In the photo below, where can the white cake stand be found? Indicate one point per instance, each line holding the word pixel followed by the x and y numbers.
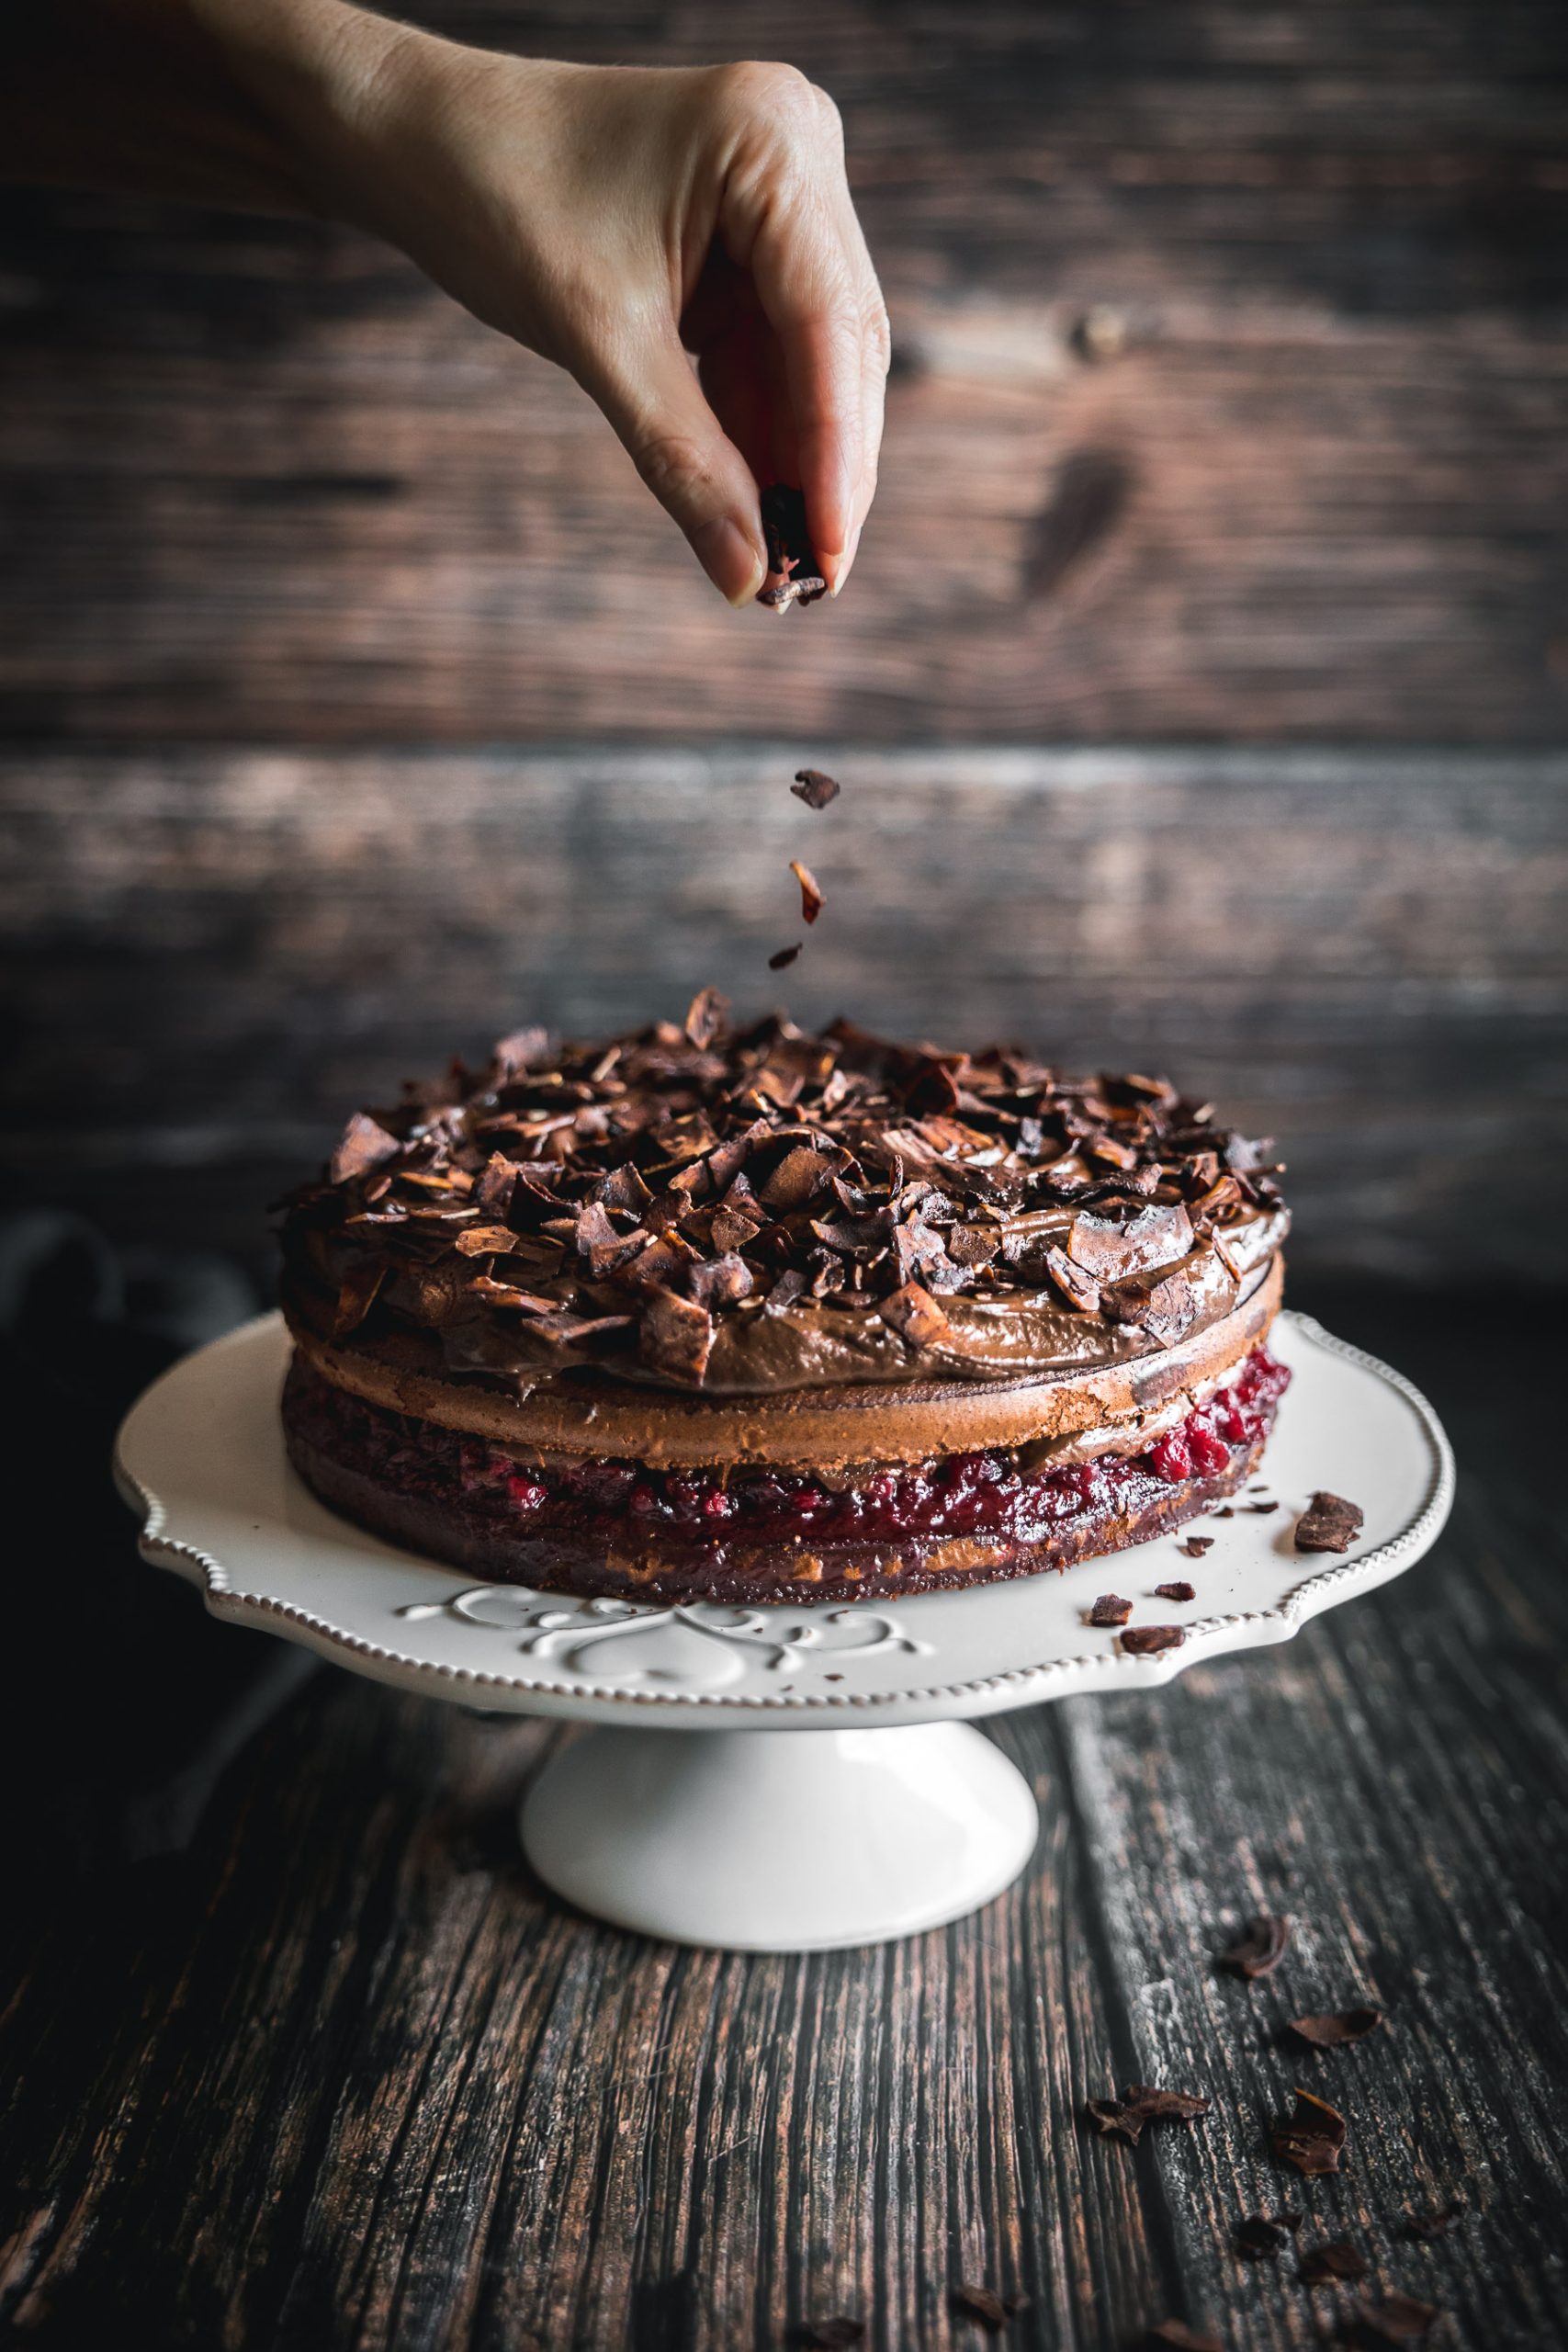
pixel 774 1779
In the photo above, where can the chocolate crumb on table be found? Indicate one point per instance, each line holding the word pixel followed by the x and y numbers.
pixel 794 576
pixel 1336 2029
pixel 1314 2137
pixel 984 2304
pixel 1331 2263
pixel 1176 1591
pixel 1259 1949
pixel 1196 1545
pixel 1261 2236
pixel 1329 1524
pixel 1111 1610
pixel 1147 1640
pixel 1143 2103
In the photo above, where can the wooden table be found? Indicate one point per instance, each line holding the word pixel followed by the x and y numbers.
pixel 301 2056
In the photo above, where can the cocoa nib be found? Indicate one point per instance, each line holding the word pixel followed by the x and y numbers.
pixel 1330 1524
pixel 984 2304
pixel 1328 2266
pixel 784 956
pixel 815 788
pixel 1176 1591
pixel 1314 2138
pixel 1396 2319
pixel 1143 2104
pixel 1147 1640
pixel 1258 1950
pixel 794 576
pixel 1175 2336
pixel 811 900
pixel 1337 2026
pixel 1111 1610
pixel 1261 2235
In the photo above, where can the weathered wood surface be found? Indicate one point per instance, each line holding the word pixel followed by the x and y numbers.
pixel 323 2067
pixel 1232 400
pixel 209 959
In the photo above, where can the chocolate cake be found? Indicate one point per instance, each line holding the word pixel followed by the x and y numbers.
pixel 745 1314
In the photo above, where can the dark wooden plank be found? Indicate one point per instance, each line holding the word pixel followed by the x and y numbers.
pixel 1299 476
pixel 210 958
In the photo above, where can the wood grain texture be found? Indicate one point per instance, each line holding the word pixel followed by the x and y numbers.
pixel 1232 388
pixel 333 2072
pixel 210 958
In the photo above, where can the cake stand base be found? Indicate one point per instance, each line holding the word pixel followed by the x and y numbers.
pixel 780 1842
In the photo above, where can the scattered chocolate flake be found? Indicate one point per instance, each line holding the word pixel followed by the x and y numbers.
pixel 1196 1545
pixel 794 576
pixel 815 788
pixel 363 1145
pixel 1175 1592
pixel 984 2304
pixel 1167 2332
pixel 1337 2027
pixel 1111 1610
pixel 1422 2228
pixel 705 1016
pixel 1258 1950
pixel 1329 1524
pixel 1147 1640
pixel 1396 2319
pixel 1078 1288
pixel 676 1337
pixel 786 956
pixel 811 900
pixel 1331 2265
pixel 1143 2104
pixel 1314 2138
pixel 830 2334
pixel 1262 1509
pixel 1262 2236
pixel 914 1313
pixel 1226 1511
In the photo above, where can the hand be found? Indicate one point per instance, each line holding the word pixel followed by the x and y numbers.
pixel 615 218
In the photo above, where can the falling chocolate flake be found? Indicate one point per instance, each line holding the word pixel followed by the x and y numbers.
pixel 786 956
pixel 1147 1640
pixel 830 2334
pixel 1332 2264
pixel 811 900
pixel 1396 2319
pixel 1332 2031
pixel 1330 1524
pixel 1196 1545
pixel 1258 1950
pixel 705 1016
pixel 1261 2237
pixel 984 2304
pixel 1314 2138
pixel 363 1145
pixel 815 788
pixel 1422 2228
pixel 794 576
pixel 1111 1610
pixel 1175 2336
pixel 1141 2104
pixel 1175 1592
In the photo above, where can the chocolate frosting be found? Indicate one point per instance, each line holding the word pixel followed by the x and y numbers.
pixel 754 1211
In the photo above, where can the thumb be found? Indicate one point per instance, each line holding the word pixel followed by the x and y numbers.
pixel 651 396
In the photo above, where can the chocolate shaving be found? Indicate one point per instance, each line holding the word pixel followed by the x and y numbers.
pixel 1078 1288
pixel 1338 2026
pixel 811 900
pixel 1329 1524
pixel 1262 1509
pixel 1111 1610
pixel 1422 2228
pixel 993 2310
pixel 793 576
pixel 1331 2265
pixel 356 1294
pixel 676 1338
pixel 1314 2138
pixel 830 2334
pixel 1141 2104
pixel 714 1282
pixel 363 1145
pixel 784 957
pixel 1261 2237
pixel 1147 1640
pixel 1174 2333
pixel 815 788
pixel 1258 1950
pixel 1196 1545
pixel 705 1016
pixel 1176 1591
pixel 915 1315
pixel 1396 2319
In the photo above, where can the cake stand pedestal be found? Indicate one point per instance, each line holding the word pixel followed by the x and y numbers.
pixel 774 1779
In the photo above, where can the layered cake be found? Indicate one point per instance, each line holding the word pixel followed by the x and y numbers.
pixel 745 1314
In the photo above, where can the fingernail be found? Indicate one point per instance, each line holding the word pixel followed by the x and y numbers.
pixel 728 556
pixel 844 571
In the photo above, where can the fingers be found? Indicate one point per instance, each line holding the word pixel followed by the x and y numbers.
pixel 649 393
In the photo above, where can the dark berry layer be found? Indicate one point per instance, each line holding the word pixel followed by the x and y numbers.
pixel 619 1526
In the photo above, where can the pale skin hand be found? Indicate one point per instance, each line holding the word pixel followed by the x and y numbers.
pixel 612 219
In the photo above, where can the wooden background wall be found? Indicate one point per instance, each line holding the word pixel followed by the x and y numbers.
pixel 354 701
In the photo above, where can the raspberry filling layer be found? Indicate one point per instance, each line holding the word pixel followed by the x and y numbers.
pixel 984 1494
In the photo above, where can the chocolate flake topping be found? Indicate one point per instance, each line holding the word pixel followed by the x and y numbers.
pixel 794 576
pixel 1258 1950
pixel 1330 2264
pixel 1332 2031
pixel 784 956
pixel 811 900
pixel 1331 1524
pixel 1147 1640
pixel 815 788
pixel 1314 2138
pixel 984 2304
pixel 628 1204
pixel 1261 2235
pixel 1176 1591
pixel 1111 1610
